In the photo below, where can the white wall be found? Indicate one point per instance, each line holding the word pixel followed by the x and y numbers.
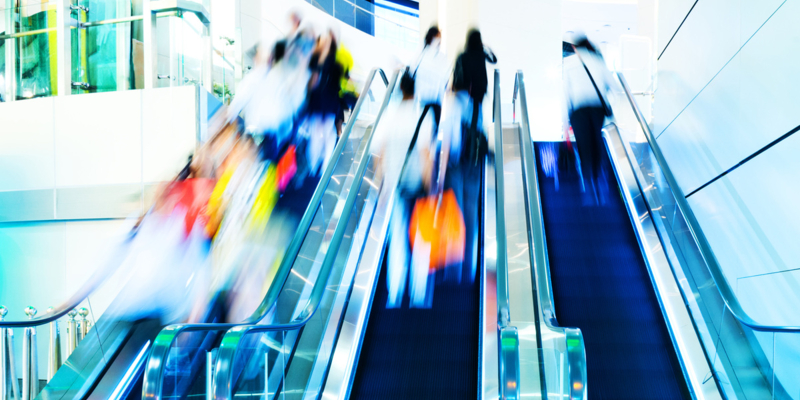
pixel 727 87
pixel 527 39
pixel 81 144
pixel 119 141
pixel 527 36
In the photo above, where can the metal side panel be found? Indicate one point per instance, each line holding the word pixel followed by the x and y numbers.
pixel 79 373
pixel 347 346
pixel 489 376
pixel 686 341
pixel 122 370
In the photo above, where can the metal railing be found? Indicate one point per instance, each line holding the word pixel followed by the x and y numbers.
pixel 153 377
pixel 65 22
pixel 575 366
pixel 508 336
pixel 230 343
pixel 77 329
pixel 710 259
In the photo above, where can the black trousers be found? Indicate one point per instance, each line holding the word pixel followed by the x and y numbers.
pixel 587 123
pixel 437 116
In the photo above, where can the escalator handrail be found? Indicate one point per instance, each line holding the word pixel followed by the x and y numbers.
pixel 163 342
pixel 537 242
pixel 230 342
pixel 96 280
pixel 725 289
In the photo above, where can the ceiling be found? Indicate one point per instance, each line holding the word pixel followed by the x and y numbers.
pixel 603 21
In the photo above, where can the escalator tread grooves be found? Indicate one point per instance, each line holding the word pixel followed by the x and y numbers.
pixel 601 285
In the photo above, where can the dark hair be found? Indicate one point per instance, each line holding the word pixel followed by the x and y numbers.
pixel 474 42
pixel 584 43
pixel 407 83
pixel 433 32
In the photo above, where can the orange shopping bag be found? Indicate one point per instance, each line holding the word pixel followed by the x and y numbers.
pixel 443 228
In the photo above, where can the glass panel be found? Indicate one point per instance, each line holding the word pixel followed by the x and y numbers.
pixel 223 77
pixel 747 364
pixel 104 57
pixel 34 55
pixel 180 50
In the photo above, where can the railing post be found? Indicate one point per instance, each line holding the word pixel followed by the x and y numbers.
pixel 83 313
pixel 30 376
pixel 54 350
pixel 72 332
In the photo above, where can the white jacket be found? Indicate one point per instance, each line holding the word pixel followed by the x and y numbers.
pixel 579 91
pixel 431 75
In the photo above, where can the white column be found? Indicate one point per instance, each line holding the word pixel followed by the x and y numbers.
pixel 526 35
pixel 428 15
pixel 63 48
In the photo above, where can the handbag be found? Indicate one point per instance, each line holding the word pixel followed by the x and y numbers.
pixel 440 223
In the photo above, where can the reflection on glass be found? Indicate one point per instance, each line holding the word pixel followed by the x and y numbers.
pixel 104 54
pixel 35 54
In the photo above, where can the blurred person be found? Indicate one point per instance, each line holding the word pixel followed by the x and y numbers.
pixel 430 76
pixel 323 104
pixel 412 180
pixel 470 72
pixel 279 49
pixel 270 98
pixel 464 143
pixel 586 83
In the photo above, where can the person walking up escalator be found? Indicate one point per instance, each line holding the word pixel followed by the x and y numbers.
pixel 430 76
pixel 464 140
pixel 586 82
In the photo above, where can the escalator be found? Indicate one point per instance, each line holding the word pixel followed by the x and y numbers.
pixel 595 274
pixel 601 285
pixel 109 363
pixel 423 352
pixel 273 352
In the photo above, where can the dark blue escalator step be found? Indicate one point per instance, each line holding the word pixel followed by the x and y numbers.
pixel 421 353
pixel 601 285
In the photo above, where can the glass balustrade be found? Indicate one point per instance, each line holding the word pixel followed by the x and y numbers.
pixel 107 48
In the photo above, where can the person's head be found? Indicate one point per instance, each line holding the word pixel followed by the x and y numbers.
pixel 295 19
pixel 407 85
pixel 433 34
pixel 474 41
pixel 580 41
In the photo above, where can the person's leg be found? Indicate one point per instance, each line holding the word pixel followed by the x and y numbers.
pixel 476 112
pixel 471 212
pixel 397 266
pixel 583 128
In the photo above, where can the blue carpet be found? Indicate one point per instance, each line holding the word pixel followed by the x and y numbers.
pixel 601 285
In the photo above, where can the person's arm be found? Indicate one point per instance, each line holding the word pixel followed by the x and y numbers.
pixel 490 57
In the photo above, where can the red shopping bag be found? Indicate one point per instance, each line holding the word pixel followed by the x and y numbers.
pixel 287 168
pixel 440 223
pixel 190 194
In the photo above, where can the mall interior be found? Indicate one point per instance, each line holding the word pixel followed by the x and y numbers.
pixel 329 199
